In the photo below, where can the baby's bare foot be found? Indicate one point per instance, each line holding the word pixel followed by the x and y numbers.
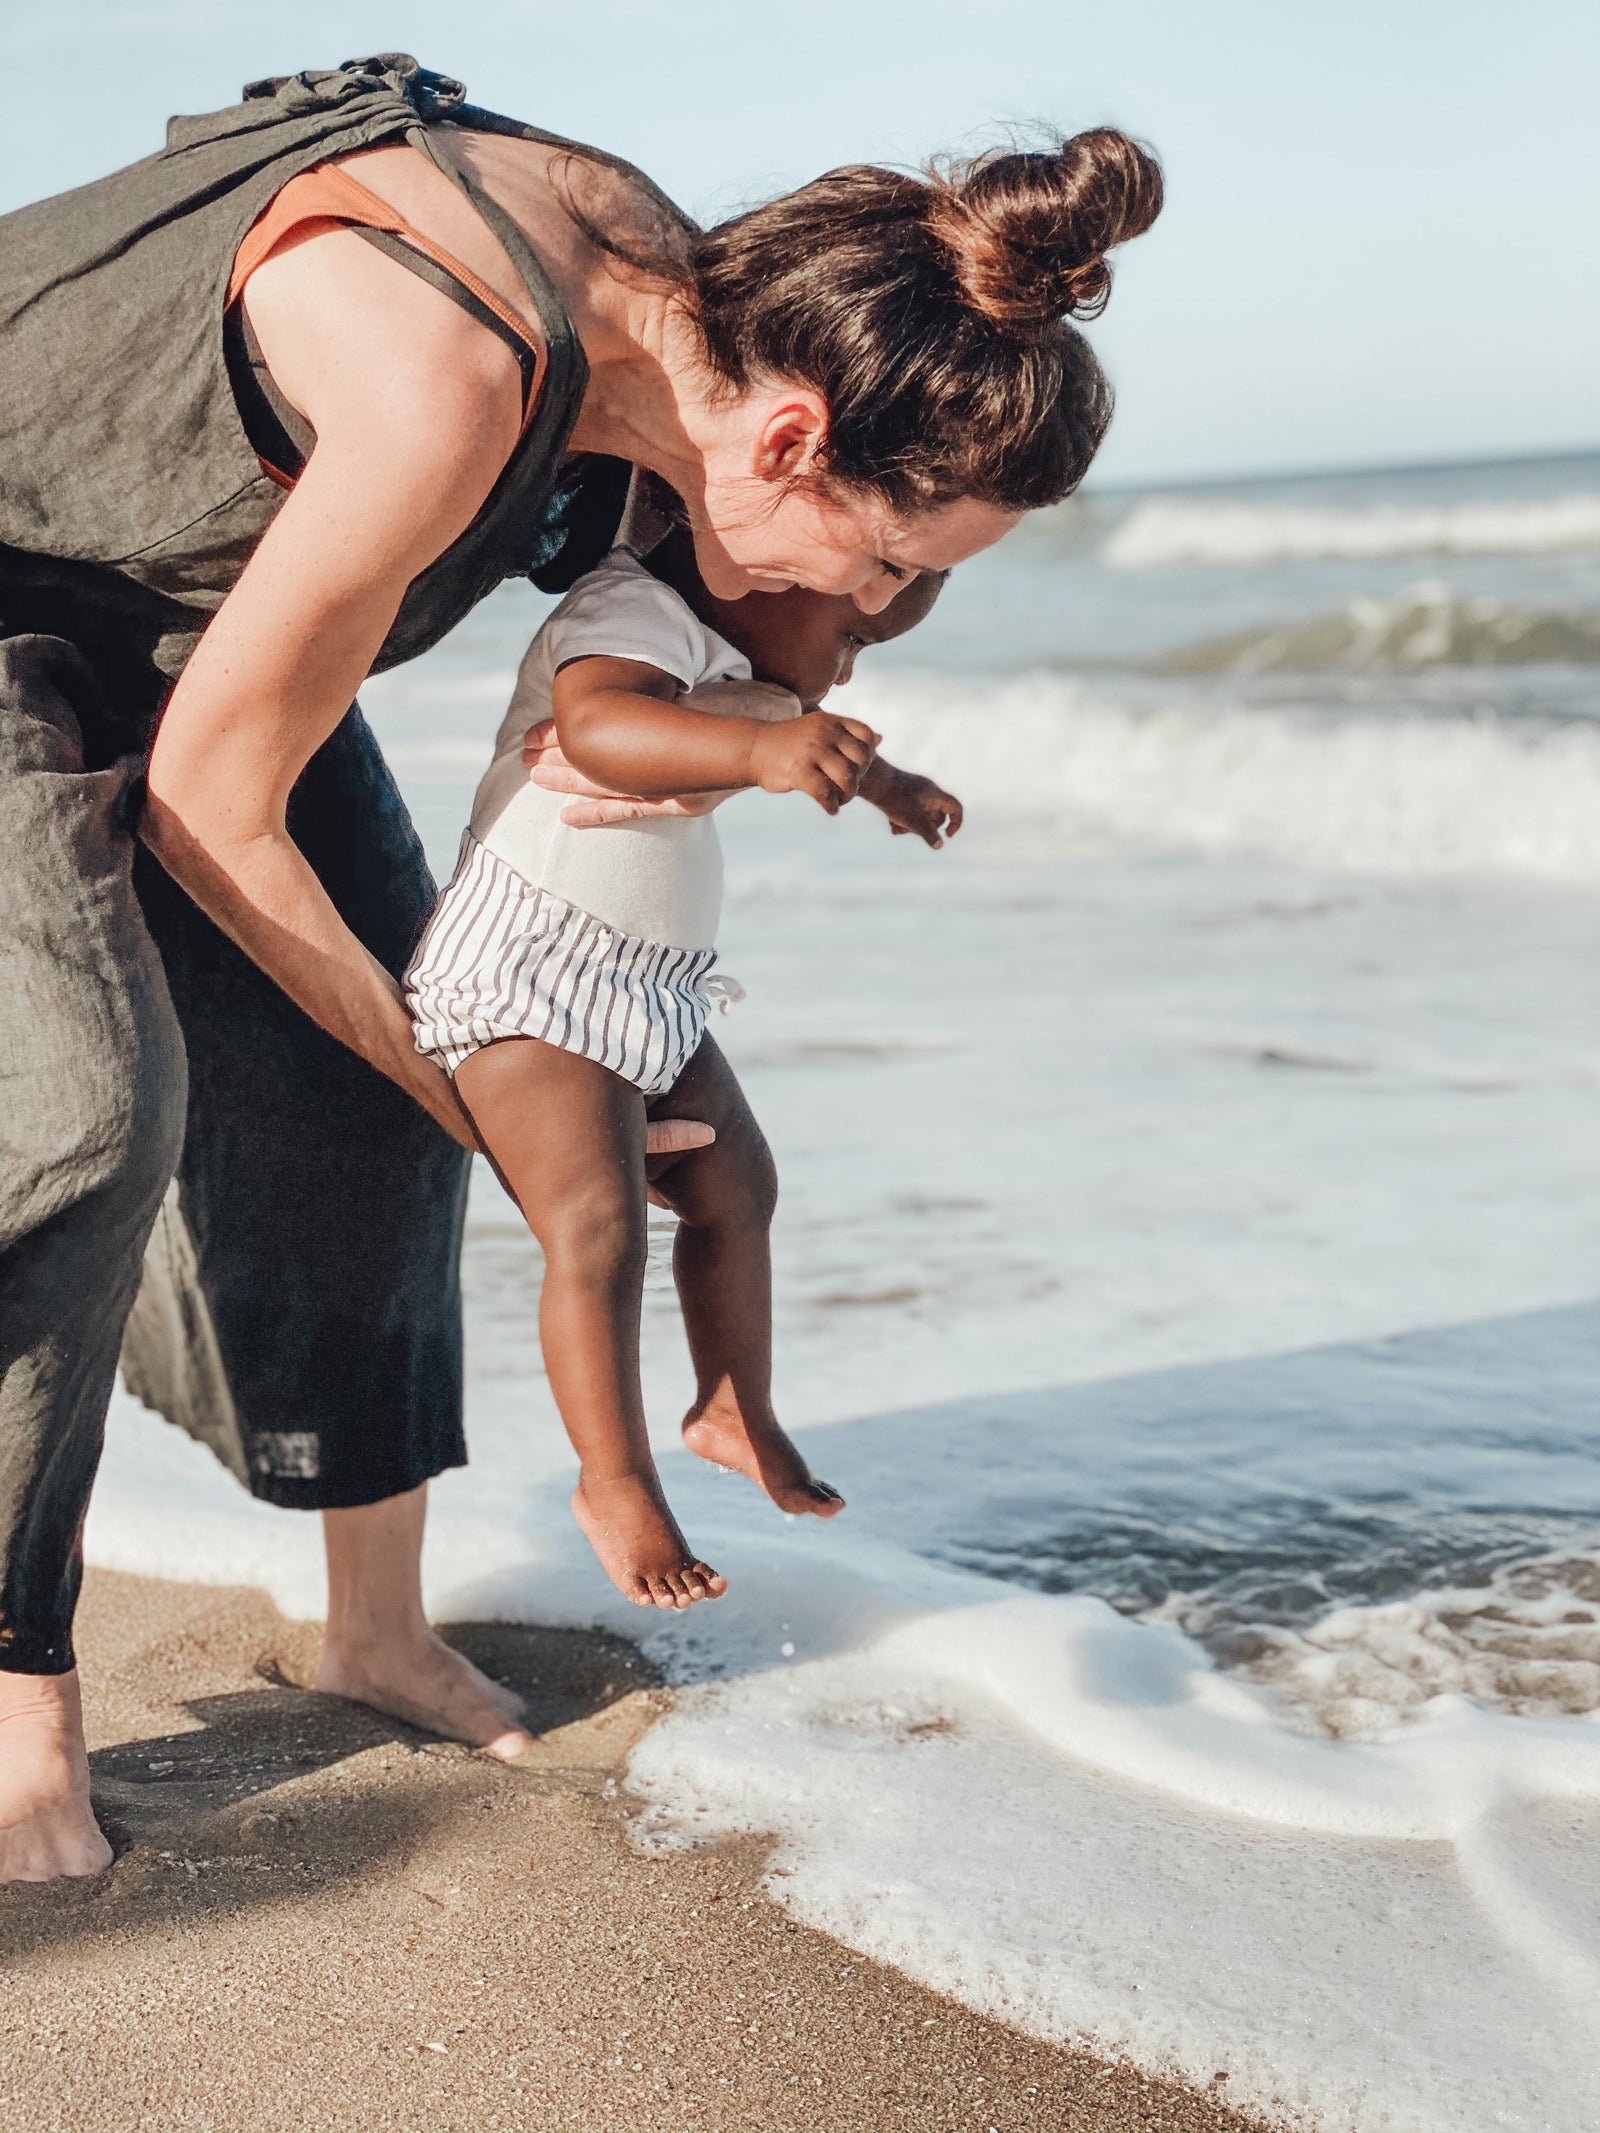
pixel 639 1545
pixel 763 1454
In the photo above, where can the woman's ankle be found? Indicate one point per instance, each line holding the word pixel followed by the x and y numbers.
pixel 42 1700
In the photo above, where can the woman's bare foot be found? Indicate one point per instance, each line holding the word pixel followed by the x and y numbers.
pixel 47 1826
pixel 763 1454
pixel 378 1648
pixel 418 1677
pixel 639 1545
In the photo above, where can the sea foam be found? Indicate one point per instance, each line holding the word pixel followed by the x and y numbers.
pixel 1363 792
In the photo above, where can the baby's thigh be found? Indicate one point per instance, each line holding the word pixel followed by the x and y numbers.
pixel 560 1130
pixel 737 1170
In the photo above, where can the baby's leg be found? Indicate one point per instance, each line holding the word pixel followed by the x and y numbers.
pixel 567 1138
pixel 724 1196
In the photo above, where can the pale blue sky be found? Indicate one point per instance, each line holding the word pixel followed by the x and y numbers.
pixel 1380 239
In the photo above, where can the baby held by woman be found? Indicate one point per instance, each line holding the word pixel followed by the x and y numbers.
pixel 565 982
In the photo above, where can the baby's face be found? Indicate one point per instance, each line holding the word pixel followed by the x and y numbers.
pixel 808 641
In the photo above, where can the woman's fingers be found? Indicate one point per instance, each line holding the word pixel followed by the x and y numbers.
pixel 540 740
pixel 559 777
pixel 673 1136
pixel 595 814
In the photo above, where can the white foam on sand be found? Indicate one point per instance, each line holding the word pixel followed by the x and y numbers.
pixel 1115 1186
pixel 1161 531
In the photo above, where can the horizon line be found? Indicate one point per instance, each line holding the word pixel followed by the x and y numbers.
pixel 1341 469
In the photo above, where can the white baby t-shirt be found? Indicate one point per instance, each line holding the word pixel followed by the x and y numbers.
pixel 660 879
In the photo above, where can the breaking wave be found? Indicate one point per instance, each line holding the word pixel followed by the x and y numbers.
pixel 1426 626
pixel 1345 790
pixel 1164 530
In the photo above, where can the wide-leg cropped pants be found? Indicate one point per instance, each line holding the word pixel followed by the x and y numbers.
pixel 189 1164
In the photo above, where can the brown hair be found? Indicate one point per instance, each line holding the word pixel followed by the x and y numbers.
pixel 932 313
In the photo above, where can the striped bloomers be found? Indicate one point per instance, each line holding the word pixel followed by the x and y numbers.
pixel 502 958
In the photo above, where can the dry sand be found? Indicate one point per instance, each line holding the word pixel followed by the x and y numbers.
pixel 319 1919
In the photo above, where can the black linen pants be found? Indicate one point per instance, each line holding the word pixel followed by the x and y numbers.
pixel 300 1307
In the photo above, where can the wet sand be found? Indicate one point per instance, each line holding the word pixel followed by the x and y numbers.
pixel 319 1920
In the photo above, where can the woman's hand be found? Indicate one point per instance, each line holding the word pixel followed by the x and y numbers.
pixel 593 807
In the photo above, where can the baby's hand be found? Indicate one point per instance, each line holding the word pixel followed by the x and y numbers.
pixel 915 806
pixel 818 754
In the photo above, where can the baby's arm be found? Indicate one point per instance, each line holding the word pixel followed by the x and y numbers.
pixel 915 806
pixel 625 726
pixel 593 806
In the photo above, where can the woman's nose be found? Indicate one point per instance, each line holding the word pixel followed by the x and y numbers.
pixel 873 597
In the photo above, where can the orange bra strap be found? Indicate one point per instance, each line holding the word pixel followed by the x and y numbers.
pixel 329 196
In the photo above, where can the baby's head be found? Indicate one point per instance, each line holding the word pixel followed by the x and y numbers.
pixel 804 641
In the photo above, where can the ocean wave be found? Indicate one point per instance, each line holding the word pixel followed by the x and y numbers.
pixel 1526 1641
pixel 1426 626
pixel 1165 530
pixel 1348 791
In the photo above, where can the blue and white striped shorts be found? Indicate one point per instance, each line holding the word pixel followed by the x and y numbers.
pixel 502 958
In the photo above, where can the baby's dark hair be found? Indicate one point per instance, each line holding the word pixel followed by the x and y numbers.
pixel 933 314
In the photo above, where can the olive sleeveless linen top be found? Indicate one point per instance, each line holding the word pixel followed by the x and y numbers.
pixel 131 494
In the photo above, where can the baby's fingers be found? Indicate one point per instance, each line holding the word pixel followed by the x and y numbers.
pixel 858 731
pixel 860 747
pixel 815 782
pixel 843 770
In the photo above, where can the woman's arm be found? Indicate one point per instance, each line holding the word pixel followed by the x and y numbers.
pixel 622 725
pixel 416 411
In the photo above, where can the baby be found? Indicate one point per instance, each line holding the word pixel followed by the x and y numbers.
pixel 565 982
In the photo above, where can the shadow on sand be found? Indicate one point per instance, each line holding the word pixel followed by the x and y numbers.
pixel 278 1793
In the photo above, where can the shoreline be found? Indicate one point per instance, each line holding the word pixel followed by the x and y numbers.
pixel 311 1902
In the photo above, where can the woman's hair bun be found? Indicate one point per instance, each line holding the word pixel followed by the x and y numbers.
pixel 1027 233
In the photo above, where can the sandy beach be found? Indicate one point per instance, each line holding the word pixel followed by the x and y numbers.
pixel 321 1920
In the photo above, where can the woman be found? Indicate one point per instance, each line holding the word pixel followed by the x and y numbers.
pixel 278 406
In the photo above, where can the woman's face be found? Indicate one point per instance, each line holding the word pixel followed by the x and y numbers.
pixel 761 525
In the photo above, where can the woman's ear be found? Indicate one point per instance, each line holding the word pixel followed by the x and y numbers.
pixel 790 435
